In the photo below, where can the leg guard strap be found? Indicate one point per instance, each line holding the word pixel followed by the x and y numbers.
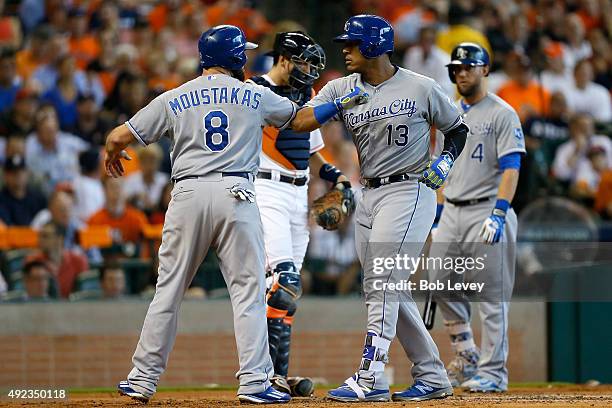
pixel 461 336
pixel 352 383
pixel 375 353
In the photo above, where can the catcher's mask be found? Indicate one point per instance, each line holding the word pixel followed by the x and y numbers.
pixel 306 55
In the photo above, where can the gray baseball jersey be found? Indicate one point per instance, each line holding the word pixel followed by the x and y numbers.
pixel 392 130
pixel 214 123
pixel 495 131
pixel 392 134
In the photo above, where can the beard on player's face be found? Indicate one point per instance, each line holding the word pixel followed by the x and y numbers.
pixel 467 90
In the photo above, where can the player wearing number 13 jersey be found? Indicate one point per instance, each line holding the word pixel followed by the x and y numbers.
pixel 391 133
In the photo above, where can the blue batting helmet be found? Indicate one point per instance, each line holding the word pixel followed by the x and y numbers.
pixel 224 46
pixel 373 33
pixel 467 53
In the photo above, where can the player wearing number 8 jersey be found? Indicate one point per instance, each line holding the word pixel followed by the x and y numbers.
pixel 392 136
pixel 214 123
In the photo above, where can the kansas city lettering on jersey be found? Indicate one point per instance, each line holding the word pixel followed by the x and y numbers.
pixel 396 108
pixel 482 128
pixel 206 96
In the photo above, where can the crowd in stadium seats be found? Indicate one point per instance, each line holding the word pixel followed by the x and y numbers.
pixel 71 70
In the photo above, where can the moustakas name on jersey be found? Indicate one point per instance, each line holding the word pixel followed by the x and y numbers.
pixel 284 150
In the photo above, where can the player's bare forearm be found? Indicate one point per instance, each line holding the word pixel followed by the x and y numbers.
pixel 439 195
pixel 317 161
pixel 507 185
pixel 117 140
pixel 305 120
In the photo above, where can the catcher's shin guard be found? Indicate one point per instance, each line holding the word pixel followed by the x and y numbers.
pixel 281 364
pixel 286 288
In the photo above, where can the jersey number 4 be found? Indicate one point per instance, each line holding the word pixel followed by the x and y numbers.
pixel 477 153
pixel 217 136
pixel 401 135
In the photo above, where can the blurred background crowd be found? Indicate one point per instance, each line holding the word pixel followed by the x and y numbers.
pixel 71 70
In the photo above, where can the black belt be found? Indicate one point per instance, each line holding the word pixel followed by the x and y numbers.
pixel 242 174
pixel 463 203
pixel 297 181
pixel 381 181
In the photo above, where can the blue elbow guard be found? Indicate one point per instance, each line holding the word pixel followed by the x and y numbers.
pixel 325 112
pixel 329 173
pixel 510 161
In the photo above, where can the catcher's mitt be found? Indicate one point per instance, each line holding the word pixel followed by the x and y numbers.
pixel 331 209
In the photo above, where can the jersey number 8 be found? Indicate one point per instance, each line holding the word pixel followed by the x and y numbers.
pixel 215 123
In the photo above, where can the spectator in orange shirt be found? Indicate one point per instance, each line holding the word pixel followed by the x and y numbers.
pixel 235 12
pixel 83 45
pixel 524 94
pixel 159 14
pixel 36 54
pixel 126 221
pixel 63 264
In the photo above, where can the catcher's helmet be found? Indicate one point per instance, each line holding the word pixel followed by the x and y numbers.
pixel 467 53
pixel 303 51
pixel 223 46
pixel 373 33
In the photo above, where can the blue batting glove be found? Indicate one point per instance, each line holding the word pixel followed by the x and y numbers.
pixel 493 227
pixel 355 97
pixel 326 111
pixel 437 171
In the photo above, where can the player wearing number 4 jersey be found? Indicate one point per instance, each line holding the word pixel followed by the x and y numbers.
pixel 214 123
pixel 476 209
pixel 392 135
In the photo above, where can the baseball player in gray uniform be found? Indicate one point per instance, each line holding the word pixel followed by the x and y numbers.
pixel 476 211
pixel 215 124
pixel 392 136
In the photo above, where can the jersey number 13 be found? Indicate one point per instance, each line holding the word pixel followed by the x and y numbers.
pixel 216 136
pixel 401 135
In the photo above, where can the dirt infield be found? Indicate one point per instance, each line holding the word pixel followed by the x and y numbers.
pixel 547 396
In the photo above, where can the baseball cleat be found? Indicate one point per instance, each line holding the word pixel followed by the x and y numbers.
pixel 279 383
pixel 126 389
pixel 422 392
pixel 268 396
pixel 352 391
pixel 462 367
pixel 481 384
pixel 300 386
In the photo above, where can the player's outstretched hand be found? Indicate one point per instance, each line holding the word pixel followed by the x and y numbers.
pixel 437 171
pixel 356 97
pixel 242 193
pixel 112 162
pixel 493 227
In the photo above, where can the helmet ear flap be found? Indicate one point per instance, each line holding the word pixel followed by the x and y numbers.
pixel 451 74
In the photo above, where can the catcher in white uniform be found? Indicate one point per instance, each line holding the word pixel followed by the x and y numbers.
pixel 282 196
